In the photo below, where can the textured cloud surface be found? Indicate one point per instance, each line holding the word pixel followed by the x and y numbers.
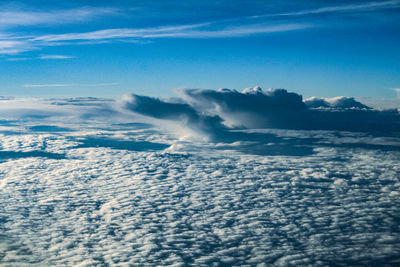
pixel 110 190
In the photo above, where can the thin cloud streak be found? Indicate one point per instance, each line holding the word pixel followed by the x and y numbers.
pixel 185 31
pixel 18 58
pixel 102 84
pixel 44 57
pixel 68 85
pixel 117 33
pixel 47 85
pixel 344 8
pixel 234 31
pixel 55 57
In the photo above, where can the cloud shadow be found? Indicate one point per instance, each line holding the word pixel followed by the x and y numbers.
pixel 120 144
pixel 49 128
pixel 5 155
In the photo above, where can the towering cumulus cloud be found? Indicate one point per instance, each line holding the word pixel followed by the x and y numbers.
pixel 252 108
pixel 275 108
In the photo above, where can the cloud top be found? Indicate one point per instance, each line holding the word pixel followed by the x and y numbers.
pixel 339 102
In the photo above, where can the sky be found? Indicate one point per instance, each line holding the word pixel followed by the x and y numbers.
pixel 109 48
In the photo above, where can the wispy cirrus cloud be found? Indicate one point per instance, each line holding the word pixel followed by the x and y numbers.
pixel 11 45
pixel 13 18
pixel 182 31
pixel 117 33
pixel 15 43
pixel 357 7
pixel 204 30
pixel 232 31
pixel 44 57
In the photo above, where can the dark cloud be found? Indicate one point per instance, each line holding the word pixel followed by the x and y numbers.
pixel 255 108
pixel 211 111
pixel 252 108
pixel 352 120
pixel 160 109
pixel 181 112
pixel 252 99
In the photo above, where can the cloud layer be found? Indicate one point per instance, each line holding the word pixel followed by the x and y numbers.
pixel 78 199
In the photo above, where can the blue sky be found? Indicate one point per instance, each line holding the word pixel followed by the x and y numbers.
pixel 108 48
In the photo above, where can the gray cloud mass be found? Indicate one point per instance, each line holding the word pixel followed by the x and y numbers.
pixel 274 108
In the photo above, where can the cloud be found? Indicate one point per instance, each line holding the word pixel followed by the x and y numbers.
pixel 61 110
pixel 68 85
pixel 48 85
pixel 221 28
pixel 339 102
pixel 275 108
pixel 184 113
pixel 350 8
pixel 39 57
pixel 96 205
pixel 397 90
pixel 203 30
pixel 13 18
pixel 18 58
pixel 249 108
pixel 160 109
pixel 278 108
pixel 118 33
pixel 11 45
pixel 100 192
pixel 17 44
pixel 233 31
pixel 55 57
